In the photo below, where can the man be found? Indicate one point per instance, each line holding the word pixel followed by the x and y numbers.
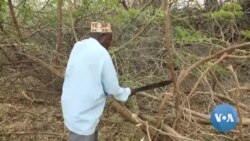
pixel 90 76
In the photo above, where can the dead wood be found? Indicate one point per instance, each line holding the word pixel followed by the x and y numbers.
pixel 136 120
pixel 245 121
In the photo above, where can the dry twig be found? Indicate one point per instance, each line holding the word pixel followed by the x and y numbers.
pixel 237 101
pixel 202 75
pixel 184 73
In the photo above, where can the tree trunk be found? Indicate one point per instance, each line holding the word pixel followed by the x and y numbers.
pixel 13 15
pixel 59 28
pixel 169 45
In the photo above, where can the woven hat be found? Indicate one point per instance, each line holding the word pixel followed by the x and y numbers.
pixel 100 27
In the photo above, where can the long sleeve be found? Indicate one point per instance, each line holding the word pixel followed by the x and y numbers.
pixel 110 81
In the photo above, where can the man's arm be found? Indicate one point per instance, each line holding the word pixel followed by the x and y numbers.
pixel 110 81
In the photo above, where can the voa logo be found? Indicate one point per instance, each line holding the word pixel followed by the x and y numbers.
pixel 224 117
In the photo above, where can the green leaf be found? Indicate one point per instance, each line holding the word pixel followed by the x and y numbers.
pixel 245 34
pixel 186 36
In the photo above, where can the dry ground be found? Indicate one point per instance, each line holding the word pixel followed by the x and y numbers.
pixel 37 116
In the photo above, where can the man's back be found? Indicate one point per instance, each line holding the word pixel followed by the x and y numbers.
pixel 89 76
pixel 83 72
pixel 82 88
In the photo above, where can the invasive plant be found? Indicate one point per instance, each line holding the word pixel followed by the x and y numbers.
pixel 229 12
pixel 245 34
pixel 185 36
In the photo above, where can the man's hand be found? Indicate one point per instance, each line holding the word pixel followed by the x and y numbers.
pixel 133 92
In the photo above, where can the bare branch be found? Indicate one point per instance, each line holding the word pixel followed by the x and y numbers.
pixel 237 100
pixel 184 73
pixel 169 47
pixel 204 73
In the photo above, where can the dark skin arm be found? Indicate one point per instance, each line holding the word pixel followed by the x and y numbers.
pixel 132 92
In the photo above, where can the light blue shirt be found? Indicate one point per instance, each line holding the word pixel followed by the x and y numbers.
pixel 90 76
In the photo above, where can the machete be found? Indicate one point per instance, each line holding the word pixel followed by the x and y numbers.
pixel 152 86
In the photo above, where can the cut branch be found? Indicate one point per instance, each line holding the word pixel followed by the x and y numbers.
pixel 172 133
pixel 223 97
pixel 136 120
pixel 245 121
